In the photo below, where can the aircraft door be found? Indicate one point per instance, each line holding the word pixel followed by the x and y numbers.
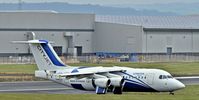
pixel 150 78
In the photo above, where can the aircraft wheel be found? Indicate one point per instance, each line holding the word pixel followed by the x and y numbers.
pixel 171 93
pixel 117 90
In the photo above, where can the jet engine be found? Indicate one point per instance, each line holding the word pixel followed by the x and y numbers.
pixel 102 82
pixel 117 81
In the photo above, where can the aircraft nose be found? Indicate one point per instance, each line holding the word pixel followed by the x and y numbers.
pixel 180 85
pixel 175 85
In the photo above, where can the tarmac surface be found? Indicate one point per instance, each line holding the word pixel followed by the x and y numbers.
pixel 193 80
pixel 55 88
pixel 38 87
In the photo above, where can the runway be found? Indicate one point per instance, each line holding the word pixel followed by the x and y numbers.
pixel 38 87
pixel 55 88
pixel 194 80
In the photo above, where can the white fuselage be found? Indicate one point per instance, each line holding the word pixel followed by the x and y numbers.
pixel 137 80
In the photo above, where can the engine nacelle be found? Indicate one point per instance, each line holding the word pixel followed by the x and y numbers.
pixel 117 81
pixel 82 84
pixel 102 82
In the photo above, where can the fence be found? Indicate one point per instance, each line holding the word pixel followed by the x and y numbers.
pixel 168 58
pixel 17 60
pixel 17 77
pixel 95 59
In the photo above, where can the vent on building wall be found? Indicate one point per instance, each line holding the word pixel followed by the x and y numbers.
pixel 68 34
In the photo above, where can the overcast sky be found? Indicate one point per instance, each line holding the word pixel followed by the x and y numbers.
pixel 105 2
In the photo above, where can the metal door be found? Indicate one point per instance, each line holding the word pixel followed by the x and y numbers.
pixel 79 50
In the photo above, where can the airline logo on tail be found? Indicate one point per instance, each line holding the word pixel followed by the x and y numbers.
pixel 49 54
pixel 44 55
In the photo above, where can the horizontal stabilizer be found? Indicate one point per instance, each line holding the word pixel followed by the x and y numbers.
pixel 31 42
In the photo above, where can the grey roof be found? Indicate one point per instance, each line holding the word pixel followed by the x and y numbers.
pixel 28 11
pixel 168 22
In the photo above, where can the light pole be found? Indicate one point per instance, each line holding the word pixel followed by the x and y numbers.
pixel 20 5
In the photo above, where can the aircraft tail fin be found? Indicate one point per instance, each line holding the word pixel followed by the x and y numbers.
pixel 44 54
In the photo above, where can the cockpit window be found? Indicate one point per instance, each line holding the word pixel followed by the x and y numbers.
pixel 169 76
pixel 165 76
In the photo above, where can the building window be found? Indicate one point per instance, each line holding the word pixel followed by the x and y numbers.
pixel 58 50
pixel 169 50
pixel 79 50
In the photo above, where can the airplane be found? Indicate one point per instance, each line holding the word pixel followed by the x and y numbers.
pixel 99 79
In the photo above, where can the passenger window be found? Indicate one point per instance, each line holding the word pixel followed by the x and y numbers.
pixel 160 77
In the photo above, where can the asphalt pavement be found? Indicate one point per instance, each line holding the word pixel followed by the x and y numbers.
pixel 55 88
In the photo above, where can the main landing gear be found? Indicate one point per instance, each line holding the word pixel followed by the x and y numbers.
pixel 117 90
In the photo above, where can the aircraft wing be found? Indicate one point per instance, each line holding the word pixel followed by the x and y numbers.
pixel 87 73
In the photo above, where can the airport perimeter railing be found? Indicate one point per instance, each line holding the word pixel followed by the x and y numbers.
pixel 95 59
pixel 17 60
pixel 186 57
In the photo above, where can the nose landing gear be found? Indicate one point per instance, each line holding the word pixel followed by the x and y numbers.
pixel 171 93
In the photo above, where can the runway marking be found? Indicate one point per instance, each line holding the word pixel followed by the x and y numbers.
pixel 47 89
pixel 191 77
pixel 31 82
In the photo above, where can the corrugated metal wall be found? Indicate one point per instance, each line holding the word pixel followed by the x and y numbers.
pixel 46 25
pixel 180 41
pixel 117 38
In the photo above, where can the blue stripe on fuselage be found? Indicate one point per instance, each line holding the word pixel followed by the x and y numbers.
pixel 131 87
pixel 50 54
pixel 77 86
pixel 132 81
pixel 136 78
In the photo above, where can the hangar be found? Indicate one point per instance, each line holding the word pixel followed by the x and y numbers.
pixel 89 34
pixel 67 31
pixel 147 34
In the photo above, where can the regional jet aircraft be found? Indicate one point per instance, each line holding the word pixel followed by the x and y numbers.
pixel 99 79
